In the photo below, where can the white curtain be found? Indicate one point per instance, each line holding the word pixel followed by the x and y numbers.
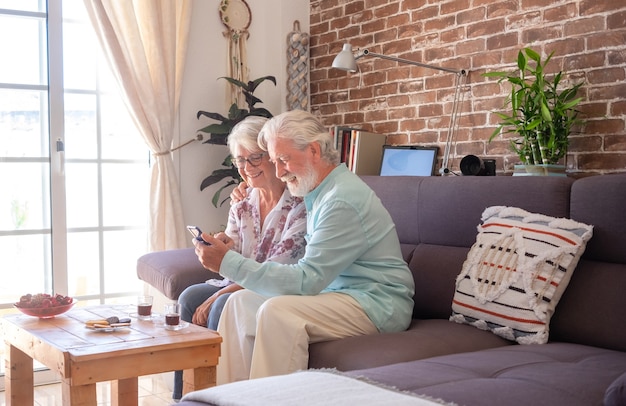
pixel 145 42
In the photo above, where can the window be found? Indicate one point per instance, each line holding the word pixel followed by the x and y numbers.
pixel 74 172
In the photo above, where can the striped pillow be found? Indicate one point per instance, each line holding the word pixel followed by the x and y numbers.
pixel 516 272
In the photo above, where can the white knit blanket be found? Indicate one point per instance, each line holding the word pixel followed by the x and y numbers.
pixel 308 388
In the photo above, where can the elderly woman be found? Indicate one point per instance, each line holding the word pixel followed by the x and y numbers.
pixel 267 225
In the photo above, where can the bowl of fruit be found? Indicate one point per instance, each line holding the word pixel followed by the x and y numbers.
pixel 44 305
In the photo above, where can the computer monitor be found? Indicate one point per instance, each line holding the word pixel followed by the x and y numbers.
pixel 408 160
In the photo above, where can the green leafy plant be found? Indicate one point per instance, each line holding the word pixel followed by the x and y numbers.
pixel 218 132
pixel 542 114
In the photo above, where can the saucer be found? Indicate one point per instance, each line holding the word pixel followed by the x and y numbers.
pixel 108 329
pixel 153 316
pixel 180 326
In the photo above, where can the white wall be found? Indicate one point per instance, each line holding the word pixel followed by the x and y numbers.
pixel 272 20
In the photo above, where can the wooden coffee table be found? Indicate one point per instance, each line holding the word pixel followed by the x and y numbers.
pixel 83 357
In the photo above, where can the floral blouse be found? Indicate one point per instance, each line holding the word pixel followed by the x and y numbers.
pixel 282 237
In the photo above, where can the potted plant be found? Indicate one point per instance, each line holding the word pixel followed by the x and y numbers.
pixel 218 132
pixel 542 112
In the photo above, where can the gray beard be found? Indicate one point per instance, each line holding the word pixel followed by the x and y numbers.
pixel 304 185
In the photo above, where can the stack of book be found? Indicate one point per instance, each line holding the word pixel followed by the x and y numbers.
pixel 360 150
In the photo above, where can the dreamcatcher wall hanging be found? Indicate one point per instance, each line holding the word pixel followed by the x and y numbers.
pixel 236 16
pixel 297 69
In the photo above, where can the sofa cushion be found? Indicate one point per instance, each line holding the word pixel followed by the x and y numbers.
pixel 615 395
pixel 514 375
pixel 172 271
pixel 517 271
pixel 423 339
pixel 449 207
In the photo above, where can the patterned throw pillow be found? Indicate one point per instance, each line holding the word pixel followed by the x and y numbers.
pixel 516 272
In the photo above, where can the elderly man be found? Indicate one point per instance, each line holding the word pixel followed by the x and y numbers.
pixel 351 281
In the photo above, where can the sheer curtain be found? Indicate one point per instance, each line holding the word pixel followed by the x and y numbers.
pixel 145 42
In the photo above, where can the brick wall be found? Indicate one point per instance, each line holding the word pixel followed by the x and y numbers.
pixel 412 104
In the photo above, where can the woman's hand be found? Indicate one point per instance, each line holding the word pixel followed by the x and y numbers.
pixel 239 193
pixel 225 239
pixel 201 315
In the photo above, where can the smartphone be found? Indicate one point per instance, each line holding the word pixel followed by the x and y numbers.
pixel 197 233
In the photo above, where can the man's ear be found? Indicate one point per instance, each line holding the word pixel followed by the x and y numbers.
pixel 316 151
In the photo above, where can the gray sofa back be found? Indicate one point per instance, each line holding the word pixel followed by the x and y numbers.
pixel 436 220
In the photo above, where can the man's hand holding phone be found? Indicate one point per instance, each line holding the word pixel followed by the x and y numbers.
pixel 197 233
pixel 210 253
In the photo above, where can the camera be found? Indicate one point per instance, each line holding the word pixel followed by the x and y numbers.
pixel 471 165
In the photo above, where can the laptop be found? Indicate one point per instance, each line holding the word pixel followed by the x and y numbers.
pixel 408 160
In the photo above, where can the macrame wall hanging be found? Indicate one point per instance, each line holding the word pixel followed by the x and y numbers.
pixel 297 69
pixel 236 16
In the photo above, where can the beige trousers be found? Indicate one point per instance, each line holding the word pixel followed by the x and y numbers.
pixel 270 336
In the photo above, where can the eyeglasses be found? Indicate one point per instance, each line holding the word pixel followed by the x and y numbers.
pixel 253 159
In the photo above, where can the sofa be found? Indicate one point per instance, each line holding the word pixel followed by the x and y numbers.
pixel 437 219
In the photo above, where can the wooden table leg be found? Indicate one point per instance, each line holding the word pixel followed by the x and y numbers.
pixel 125 392
pixel 79 395
pixel 198 378
pixel 18 377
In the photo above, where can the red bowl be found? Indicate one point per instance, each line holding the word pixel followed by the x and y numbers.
pixel 45 312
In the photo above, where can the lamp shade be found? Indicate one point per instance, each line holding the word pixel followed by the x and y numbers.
pixel 345 59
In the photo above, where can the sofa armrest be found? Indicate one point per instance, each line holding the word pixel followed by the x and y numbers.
pixel 171 271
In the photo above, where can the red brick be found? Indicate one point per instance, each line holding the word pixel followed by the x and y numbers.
pixel 430 110
pixel 387 10
pixel 584 26
pixel 569 46
pixel 386 127
pixel 607 92
pixel 353 118
pixel 339 22
pixel 605 40
pixel 412 124
pixel 387 89
pixel 362 17
pixel 361 93
pixel 453 7
pixel 438 24
pixel 560 13
pixel 424 13
pixel 605 75
pixel 586 61
pixel 502 8
pixel 585 143
pixel 399 114
pixel 616 57
pixel 375 3
pixel 616 21
pixel 588 7
pixel 413 4
pixel 502 41
pixel 606 126
pixel 386 35
pixel 354 7
pixel 618 108
pixel 400 21
pixel 483 28
pixel 615 143
pixel 455 34
pixel 602 161
pixel 532 35
pixel 471 15
pixel 398 100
